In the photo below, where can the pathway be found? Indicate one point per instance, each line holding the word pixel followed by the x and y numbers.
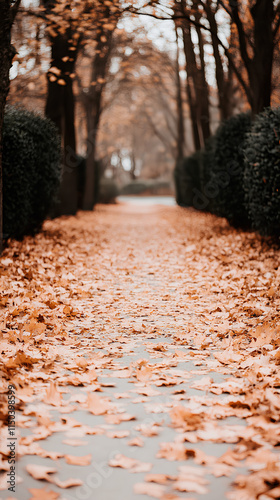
pixel 143 344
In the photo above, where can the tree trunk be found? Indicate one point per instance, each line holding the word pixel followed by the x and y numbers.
pixel 60 108
pixel 180 110
pixel 91 178
pixel 258 66
pixel 223 82
pixel 261 72
pixel 203 90
pixel 197 87
pixel 92 102
pixel 133 166
pixel 7 52
pixel 192 85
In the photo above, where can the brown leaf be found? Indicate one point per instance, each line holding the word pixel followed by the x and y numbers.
pixel 137 441
pixel 131 464
pixel 40 471
pixel 97 405
pixel 74 460
pixel 153 490
pixel 53 396
pixel 118 434
pixel 43 494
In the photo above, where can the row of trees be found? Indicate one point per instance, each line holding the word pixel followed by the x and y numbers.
pixel 244 55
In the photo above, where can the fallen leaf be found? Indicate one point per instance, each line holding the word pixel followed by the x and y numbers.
pixel 131 464
pixel 74 460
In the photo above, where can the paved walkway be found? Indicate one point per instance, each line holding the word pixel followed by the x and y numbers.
pixel 140 340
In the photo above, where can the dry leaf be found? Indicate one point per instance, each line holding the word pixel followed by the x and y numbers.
pixel 153 490
pixel 131 464
pixel 74 460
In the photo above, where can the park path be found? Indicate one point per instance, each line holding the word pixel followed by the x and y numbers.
pixel 143 344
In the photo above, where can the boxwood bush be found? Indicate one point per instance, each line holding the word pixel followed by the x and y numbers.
pixel 228 170
pixel 262 172
pixel 108 191
pixel 31 171
pixel 187 176
pixel 204 198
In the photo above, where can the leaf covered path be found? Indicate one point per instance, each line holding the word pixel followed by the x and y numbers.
pixel 143 344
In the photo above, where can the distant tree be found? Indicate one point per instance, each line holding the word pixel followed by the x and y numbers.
pixel 140 108
pixel 91 98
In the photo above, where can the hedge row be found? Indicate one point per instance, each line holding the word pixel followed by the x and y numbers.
pixel 31 171
pixel 237 175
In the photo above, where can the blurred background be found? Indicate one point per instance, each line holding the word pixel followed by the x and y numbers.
pixel 148 98
pixel 145 90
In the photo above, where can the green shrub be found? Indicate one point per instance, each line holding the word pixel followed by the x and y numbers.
pixel 187 176
pixel 31 171
pixel 108 191
pixel 228 166
pixel 262 172
pixel 203 197
pixel 134 187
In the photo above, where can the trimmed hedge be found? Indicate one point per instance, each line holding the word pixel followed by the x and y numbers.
pixel 228 170
pixel 262 173
pixel 239 173
pixel 204 199
pixel 31 171
pixel 187 176
pixel 108 191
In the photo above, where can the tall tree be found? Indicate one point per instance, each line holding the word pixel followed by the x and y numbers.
pixel 197 86
pixel 60 108
pixel 66 27
pixel 92 100
pixel 8 12
pixel 179 101
pixel 224 77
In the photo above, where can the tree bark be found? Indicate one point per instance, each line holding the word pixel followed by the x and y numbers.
pixel 7 52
